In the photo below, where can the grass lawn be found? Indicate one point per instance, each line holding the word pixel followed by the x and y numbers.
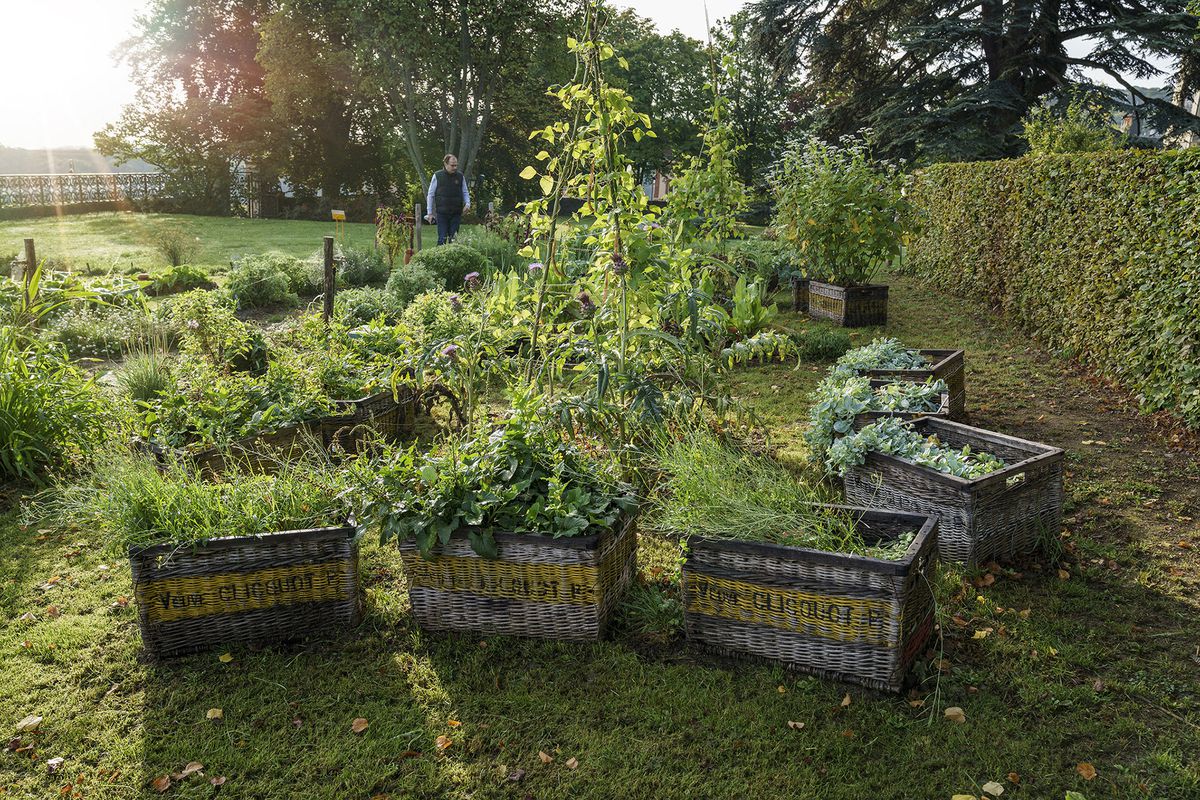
pixel 1087 656
pixel 122 241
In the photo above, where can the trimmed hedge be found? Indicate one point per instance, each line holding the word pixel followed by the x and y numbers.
pixel 1096 254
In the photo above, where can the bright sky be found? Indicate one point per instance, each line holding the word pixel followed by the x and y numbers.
pixel 59 84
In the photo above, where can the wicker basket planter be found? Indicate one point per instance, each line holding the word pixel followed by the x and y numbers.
pixel 945 365
pixel 385 413
pixel 800 295
pixel 835 615
pixel 868 417
pixel 996 516
pixel 552 588
pixel 245 589
pixel 848 306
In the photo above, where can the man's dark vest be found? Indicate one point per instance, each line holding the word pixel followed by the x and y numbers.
pixel 447 196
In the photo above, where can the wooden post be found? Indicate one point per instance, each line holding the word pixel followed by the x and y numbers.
pixel 417 227
pixel 30 266
pixel 330 278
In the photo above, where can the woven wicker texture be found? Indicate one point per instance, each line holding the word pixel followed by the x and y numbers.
pixel 253 589
pixel 847 617
pixel 993 517
pixel 848 306
pixel 391 415
pixel 555 589
pixel 946 365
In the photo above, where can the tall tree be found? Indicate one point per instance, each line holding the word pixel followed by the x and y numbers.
pixel 948 79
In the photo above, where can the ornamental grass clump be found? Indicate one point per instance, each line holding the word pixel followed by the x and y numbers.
pixel 896 438
pixel 718 490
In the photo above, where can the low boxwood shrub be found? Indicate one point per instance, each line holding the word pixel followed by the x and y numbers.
pixel 410 280
pixel 450 263
pixel 265 280
pixel 1093 253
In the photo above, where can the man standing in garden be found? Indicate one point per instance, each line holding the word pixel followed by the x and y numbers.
pixel 448 198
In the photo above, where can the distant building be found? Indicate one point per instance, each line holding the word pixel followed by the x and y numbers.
pixel 656 188
pixel 1191 103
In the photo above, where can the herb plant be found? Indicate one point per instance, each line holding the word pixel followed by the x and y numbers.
pixel 881 354
pixel 839 398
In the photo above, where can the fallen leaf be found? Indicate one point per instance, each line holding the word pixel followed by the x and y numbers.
pixel 982 633
pixel 191 769
pixel 516 775
pixel 453 723
pixel 959 621
pixel 225 658
pixel 782 690
pixel 28 617
pixel 545 757
pixel 121 602
pixel 1097 685
pixel 1063 575
pixel 993 788
pixel 955 713
pixel 359 725
pixel 1024 613
pixel 848 734
pixel 217 780
pixel 796 726
pixel 964 797
pixel 161 783
pixel 1014 777
pixel 1085 770
pixel 443 742
pixel 987 579
pixel 215 714
pixel 54 764
pixel 1184 544
pixel 916 703
pixel 572 763
pixel 30 723
pixel 846 700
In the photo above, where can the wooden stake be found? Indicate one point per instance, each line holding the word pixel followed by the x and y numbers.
pixel 330 278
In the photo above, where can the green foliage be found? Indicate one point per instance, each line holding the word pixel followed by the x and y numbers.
pixel 432 317
pixel 410 280
pixel 264 281
pixel 894 437
pixel 393 233
pixel 208 327
pixel 132 501
pixel 1083 128
pixel 822 344
pixel 50 412
pixel 763 260
pixel 881 354
pixel 1095 254
pixel 751 314
pixel 361 268
pixel 145 375
pixel 178 244
pixel 106 331
pixel 712 488
pixel 498 249
pixel 450 263
pixel 356 306
pixel 842 211
pixel 521 477
pixel 182 278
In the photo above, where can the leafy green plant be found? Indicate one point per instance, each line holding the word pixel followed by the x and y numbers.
pixel 410 280
pixel 51 415
pixel 133 502
pixel 208 328
pixel 520 477
pixel 822 344
pixel 106 331
pixel 451 263
pixel 843 212
pixel 181 278
pixel 433 318
pixel 261 282
pixel 393 232
pixel 881 354
pixel 715 488
pixel 362 267
pixel 1083 127
pixel 356 306
pixel 499 250
pixel 895 437
pixel 751 314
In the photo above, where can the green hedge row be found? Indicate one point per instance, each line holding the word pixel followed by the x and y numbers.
pixel 1096 254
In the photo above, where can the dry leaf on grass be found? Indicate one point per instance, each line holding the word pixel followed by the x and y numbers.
pixel 1085 770
pixel 993 788
pixel 1014 777
pixel 161 783
pixel 453 723
pixel 957 714
pixel 191 769
pixel 1063 575
pixel 225 658
pixel 846 700
pixel 572 763
pixel 217 780
pixel 443 742
pixel 964 797
pixel 54 764
pixel 30 723
pixel 782 690
pixel 982 633
pixel 796 726
pixel 545 757
pixel 215 714
pixel 359 725
pixel 516 775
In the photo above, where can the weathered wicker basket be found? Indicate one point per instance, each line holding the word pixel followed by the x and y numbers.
pixel 835 615
pixel 388 414
pixel 868 417
pixel 562 588
pixel 946 365
pixel 245 589
pixel 800 295
pixel 848 306
pixel 996 516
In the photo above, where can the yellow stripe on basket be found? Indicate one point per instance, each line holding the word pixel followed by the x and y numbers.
pixel 844 619
pixel 171 599
pixel 575 584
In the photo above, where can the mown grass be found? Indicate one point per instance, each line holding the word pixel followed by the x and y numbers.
pixel 119 242
pixel 1101 669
